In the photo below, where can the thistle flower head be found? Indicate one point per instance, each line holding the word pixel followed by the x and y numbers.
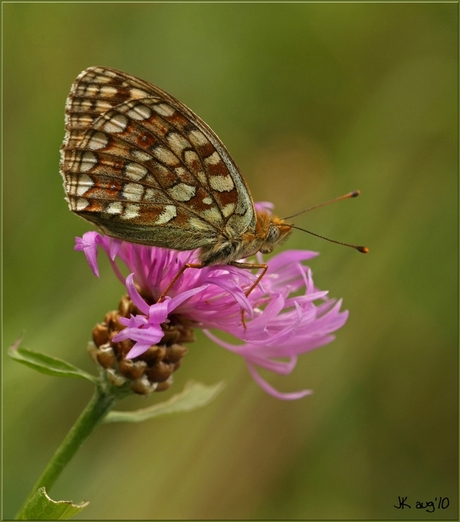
pixel 286 315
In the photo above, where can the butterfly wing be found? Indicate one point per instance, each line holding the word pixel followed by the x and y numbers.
pixel 144 168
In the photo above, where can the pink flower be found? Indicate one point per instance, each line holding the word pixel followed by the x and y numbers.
pixel 286 315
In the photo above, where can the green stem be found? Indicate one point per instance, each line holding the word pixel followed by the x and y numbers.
pixel 98 407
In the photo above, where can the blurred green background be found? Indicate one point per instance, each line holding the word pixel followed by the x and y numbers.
pixel 312 100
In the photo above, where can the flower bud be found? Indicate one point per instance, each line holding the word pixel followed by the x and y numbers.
pixel 151 371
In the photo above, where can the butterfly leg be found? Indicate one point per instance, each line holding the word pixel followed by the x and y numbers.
pixel 176 277
pixel 251 266
pixel 248 266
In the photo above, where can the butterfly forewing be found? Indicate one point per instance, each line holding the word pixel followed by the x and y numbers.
pixel 144 168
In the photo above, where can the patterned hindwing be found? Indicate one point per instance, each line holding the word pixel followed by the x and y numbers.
pixel 144 168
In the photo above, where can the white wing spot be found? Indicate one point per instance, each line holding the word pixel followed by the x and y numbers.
pixel 198 138
pixel 191 158
pixel 177 143
pixel 116 124
pixel 134 171
pixel 101 77
pixel 81 204
pixel 207 200
pixel 114 208
pixel 168 213
pixel 163 109
pixel 133 191
pixel 221 183
pixel 91 90
pixel 98 141
pixel 212 215
pixel 140 112
pixel 141 155
pixel 214 159
pixel 84 183
pixel 138 94
pixel 165 155
pixel 108 90
pixel 102 106
pixel 182 192
pixel 131 211
pixel 228 210
pixel 87 161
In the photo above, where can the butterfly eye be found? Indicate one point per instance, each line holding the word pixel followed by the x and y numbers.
pixel 273 234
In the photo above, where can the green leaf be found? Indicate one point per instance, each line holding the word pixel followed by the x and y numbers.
pixel 42 507
pixel 48 365
pixel 195 395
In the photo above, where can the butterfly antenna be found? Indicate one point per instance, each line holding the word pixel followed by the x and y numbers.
pixel 362 249
pixel 353 194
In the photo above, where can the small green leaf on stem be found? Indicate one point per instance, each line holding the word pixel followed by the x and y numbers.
pixel 195 395
pixel 48 365
pixel 42 507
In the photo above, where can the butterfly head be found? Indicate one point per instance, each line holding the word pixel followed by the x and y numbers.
pixel 268 233
pixel 271 230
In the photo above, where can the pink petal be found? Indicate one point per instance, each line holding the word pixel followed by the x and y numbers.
pixel 275 393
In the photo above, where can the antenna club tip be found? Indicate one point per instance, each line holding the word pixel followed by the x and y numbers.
pixel 355 194
pixel 362 249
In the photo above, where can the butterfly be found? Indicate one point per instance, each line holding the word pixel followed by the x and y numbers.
pixel 144 168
